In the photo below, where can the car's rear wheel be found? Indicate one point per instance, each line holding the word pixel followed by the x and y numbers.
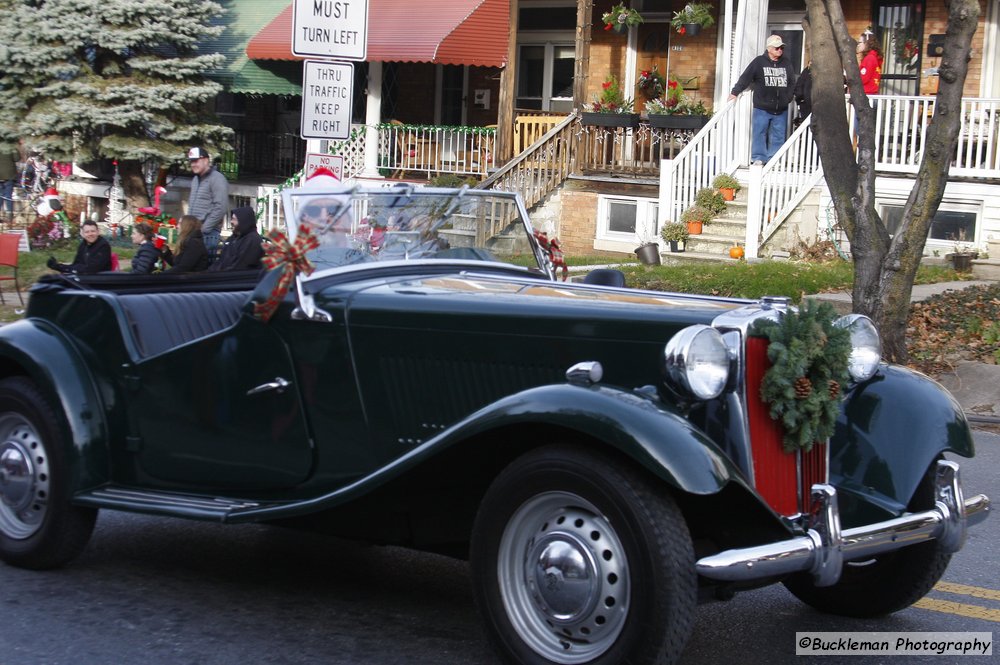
pixel 39 528
pixel 577 558
pixel 883 584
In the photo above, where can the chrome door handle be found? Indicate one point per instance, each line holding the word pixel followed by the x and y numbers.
pixel 278 384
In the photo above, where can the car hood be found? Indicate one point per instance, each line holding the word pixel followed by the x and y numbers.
pixel 470 302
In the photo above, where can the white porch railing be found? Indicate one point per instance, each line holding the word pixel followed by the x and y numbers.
pixel 901 128
pixel 434 149
pixel 775 188
pixel 721 146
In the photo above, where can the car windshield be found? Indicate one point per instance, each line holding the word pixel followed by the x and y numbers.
pixel 363 225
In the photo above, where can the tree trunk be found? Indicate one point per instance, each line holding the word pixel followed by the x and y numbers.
pixel 884 267
pixel 133 184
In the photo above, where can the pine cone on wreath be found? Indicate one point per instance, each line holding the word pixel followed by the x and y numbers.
pixel 834 388
pixel 803 387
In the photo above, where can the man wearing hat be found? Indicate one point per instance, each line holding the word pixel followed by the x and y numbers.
pixel 209 198
pixel 773 80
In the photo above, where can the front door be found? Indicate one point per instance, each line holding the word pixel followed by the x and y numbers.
pixel 215 414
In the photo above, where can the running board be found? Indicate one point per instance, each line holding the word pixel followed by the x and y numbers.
pixel 216 509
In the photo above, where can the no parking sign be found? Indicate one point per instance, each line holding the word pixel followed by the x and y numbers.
pixel 318 160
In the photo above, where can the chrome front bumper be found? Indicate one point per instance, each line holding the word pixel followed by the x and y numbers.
pixel 825 548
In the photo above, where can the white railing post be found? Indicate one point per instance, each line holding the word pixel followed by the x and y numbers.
pixel 755 210
pixel 666 195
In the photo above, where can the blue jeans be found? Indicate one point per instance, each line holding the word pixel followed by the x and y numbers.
pixel 767 133
pixel 7 196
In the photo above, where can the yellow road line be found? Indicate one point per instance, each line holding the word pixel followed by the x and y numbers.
pixel 961 609
pixel 966 590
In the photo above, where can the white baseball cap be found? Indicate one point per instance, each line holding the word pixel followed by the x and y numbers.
pixel 774 41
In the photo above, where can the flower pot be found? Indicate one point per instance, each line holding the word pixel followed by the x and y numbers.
pixel 667 121
pixel 692 29
pixel 676 246
pixel 694 228
pixel 610 119
pixel 728 193
pixel 649 254
pixel 962 262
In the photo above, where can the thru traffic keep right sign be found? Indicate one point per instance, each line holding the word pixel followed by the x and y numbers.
pixel 327 94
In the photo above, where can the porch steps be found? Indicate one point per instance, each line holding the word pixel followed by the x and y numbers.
pixel 720 234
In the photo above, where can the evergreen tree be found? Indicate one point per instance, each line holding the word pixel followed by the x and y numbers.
pixel 120 79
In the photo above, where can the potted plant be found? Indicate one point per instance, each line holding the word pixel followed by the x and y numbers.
pixel 676 110
pixel 613 109
pixel 695 16
pixel 695 217
pixel 674 233
pixel 620 18
pixel 711 200
pixel 727 186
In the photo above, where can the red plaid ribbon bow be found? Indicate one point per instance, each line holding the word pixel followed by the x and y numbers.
pixel 290 258
pixel 554 252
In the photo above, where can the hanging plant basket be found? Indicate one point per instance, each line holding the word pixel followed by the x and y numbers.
pixel 691 29
pixel 667 121
pixel 610 119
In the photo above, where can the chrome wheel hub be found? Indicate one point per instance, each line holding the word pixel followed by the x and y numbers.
pixel 24 478
pixel 564 578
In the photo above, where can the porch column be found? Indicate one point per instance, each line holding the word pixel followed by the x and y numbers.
pixel 373 117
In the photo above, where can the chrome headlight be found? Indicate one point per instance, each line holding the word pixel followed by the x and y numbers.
pixel 866 346
pixel 696 360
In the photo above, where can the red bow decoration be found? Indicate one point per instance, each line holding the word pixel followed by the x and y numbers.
pixel 290 258
pixel 554 252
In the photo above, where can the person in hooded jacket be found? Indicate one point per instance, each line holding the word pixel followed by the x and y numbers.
pixel 192 256
pixel 244 248
pixel 144 261
pixel 93 255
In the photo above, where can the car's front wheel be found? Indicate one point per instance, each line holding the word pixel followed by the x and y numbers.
pixel 883 584
pixel 578 558
pixel 39 527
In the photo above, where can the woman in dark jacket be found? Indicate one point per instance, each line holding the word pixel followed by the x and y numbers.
pixel 92 256
pixel 191 253
pixel 144 261
pixel 244 249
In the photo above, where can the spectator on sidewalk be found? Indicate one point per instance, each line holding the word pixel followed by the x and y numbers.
pixel 209 198
pixel 773 81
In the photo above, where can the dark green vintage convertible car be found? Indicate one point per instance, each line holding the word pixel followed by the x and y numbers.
pixel 410 372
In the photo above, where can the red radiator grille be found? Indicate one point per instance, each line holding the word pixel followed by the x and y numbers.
pixel 776 472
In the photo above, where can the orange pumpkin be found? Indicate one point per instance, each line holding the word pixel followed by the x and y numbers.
pixel 736 252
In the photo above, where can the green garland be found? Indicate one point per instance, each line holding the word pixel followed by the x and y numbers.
pixel 805 383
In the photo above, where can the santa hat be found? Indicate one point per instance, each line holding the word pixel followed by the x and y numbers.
pixel 49 203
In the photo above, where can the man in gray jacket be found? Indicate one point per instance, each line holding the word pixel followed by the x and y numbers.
pixel 209 198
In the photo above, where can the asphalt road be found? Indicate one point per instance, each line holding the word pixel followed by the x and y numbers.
pixel 154 591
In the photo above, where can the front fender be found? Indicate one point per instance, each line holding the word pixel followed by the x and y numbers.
pixel 656 436
pixel 890 430
pixel 36 349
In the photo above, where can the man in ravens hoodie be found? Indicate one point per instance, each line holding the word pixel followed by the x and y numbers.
pixel 773 80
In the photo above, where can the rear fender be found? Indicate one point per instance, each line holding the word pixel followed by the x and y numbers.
pixel 35 349
pixel 891 429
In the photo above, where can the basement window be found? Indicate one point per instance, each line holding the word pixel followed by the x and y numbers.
pixel 953 223
pixel 626 220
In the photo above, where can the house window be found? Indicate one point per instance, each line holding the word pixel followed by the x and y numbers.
pixel 626 220
pixel 545 76
pixel 953 223
pixel 899 28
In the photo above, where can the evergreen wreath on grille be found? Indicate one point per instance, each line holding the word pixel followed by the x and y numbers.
pixel 805 383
